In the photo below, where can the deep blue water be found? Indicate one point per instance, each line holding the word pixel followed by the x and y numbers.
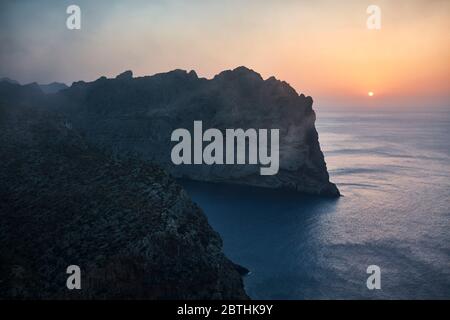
pixel 394 172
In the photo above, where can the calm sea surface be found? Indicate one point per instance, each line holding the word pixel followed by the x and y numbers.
pixel 393 170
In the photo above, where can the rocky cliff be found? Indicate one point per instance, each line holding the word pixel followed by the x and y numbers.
pixel 138 115
pixel 128 225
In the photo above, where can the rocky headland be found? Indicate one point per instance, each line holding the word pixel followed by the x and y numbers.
pixel 126 223
pixel 138 115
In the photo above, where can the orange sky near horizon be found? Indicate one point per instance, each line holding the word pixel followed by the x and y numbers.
pixel 322 48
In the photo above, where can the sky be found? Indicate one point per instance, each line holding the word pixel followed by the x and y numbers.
pixel 322 48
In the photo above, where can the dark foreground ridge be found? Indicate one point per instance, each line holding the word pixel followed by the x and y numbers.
pixel 128 225
pixel 138 115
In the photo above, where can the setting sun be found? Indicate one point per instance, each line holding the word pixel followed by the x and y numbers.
pixel 370 93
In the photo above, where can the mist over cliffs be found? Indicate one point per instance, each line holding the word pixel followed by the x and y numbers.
pixel 138 115
pixel 53 87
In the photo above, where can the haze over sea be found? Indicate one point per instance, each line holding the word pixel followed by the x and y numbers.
pixel 393 170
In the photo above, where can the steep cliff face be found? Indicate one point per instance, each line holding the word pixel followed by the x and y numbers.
pixel 129 226
pixel 138 115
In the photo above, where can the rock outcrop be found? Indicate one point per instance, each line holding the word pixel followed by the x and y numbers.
pixel 128 225
pixel 138 115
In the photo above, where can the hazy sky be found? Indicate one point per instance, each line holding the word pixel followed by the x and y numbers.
pixel 322 48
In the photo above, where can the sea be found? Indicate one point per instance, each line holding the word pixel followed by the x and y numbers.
pixel 393 170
